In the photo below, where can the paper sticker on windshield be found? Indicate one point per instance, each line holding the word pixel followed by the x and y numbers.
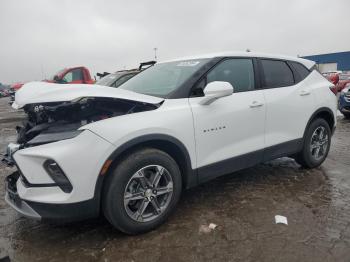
pixel 188 63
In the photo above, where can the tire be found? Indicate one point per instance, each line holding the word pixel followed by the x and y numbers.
pixel 133 179
pixel 307 157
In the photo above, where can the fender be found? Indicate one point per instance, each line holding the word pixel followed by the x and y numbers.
pixel 318 111
pixel 189 176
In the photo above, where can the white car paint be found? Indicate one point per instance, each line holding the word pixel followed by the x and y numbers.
pixel 231 126
pixel 39 92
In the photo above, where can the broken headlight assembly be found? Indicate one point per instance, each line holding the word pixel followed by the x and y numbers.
pixel 55 121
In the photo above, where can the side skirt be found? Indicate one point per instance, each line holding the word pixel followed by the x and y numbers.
pixel 231 165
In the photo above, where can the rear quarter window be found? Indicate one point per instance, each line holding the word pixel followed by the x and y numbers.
pixel 276 73
pixel 301 71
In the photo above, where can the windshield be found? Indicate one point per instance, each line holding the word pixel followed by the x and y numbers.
pixel 108 79
pixel 162 79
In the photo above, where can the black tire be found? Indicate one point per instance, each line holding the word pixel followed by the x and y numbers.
pixel 117 182
pixel 305 157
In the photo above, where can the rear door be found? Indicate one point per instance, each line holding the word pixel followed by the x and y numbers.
pixel 289 105
pixel 229 132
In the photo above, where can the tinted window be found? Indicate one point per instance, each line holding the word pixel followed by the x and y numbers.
pixel 123 79
pixel 277 73
pixel 239 72
pixel 301 70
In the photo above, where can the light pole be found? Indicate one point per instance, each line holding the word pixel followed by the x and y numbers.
pixel 155 53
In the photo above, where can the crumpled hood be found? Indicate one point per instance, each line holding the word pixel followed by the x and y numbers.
pixel 41 92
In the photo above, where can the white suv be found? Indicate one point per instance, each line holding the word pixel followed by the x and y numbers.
pixel 129 151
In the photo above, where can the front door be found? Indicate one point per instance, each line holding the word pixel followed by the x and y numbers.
pixel 229 132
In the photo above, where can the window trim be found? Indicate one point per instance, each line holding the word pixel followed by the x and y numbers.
pixel 255 71
pixel 295 71
pixel 263 73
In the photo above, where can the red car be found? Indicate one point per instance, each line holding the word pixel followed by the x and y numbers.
pixel 344 79
pixel 334 79
pixel 72 75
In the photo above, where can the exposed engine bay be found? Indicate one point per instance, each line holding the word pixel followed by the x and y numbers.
pixel 54 121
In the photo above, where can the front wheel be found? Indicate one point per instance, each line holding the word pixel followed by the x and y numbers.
pixel 142 191
pixel 316 145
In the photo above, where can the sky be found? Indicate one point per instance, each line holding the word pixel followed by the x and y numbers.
pixel 40 37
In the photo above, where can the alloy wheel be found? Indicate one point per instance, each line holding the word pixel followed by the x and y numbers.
pixel 148 193
pixel 319 143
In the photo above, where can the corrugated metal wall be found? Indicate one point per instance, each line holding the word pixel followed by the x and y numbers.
pixel 342 59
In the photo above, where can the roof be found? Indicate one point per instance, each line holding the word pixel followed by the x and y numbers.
pixel 307 63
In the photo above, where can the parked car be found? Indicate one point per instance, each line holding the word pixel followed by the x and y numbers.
pixel 4 92
pixel 128 152
pixel 120 77
pixel 334 79
pixel 344 101
pixel 71 75
pixel 344 79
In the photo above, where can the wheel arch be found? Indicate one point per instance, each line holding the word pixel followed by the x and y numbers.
pixel 166 143
pixel 324 113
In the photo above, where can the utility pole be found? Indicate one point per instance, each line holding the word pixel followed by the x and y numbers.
pixel 155 53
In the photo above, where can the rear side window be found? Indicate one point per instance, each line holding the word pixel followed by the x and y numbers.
pixel 300 70
pixel 276 73
pixel 238 72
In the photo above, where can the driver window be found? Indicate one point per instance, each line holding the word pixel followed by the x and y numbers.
pixel 239 72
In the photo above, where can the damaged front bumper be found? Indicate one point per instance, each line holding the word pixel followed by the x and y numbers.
pixel 13 199
pixel 10 150
pixel 46 211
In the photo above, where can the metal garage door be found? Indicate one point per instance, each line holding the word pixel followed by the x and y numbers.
pixel 328 67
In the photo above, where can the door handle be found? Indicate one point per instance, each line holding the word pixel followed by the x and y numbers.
pixel 256 104
pixel 304 93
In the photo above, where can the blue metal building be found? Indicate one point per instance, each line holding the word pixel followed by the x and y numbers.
pixel 332 61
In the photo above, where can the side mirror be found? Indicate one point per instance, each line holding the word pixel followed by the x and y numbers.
pixel 215 90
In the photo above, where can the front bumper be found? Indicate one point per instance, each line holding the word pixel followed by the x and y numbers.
pixel 13 199
pixel 80 158
pixel 48 212
pixel 344 103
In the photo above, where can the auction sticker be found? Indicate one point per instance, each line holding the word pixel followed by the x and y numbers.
pixel 188 63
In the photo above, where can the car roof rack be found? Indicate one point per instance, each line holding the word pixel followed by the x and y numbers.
pixel 148 64
pixel 100 75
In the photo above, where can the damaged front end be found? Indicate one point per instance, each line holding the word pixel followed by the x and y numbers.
pixel 55 121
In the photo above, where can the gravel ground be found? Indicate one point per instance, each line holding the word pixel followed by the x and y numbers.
pixel 243 205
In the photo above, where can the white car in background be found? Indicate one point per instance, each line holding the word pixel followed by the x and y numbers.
pixel 129 152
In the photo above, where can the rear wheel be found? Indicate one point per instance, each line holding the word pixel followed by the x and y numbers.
pixel 142 191
pixel 316 145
